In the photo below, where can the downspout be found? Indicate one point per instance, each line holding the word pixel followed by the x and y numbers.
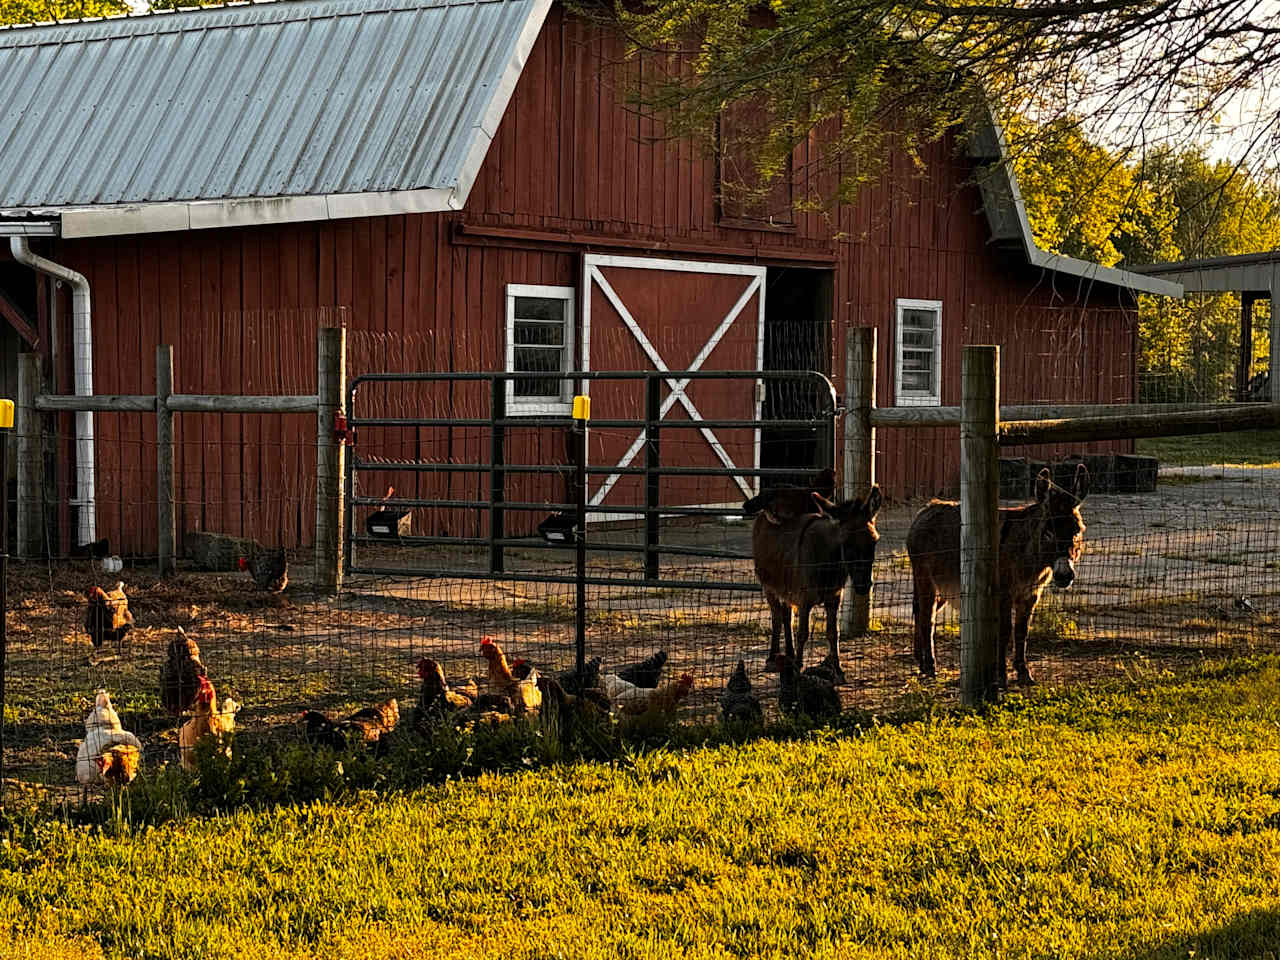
pixel 82 349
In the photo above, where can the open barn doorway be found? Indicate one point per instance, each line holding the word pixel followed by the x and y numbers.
pixel 797 336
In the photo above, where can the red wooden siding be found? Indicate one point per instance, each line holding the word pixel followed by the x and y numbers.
pixel 571 169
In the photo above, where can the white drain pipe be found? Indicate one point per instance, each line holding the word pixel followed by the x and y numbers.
pixel 82 346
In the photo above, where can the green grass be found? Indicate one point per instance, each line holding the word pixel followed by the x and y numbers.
pixel 1246 447
pixel 1139 821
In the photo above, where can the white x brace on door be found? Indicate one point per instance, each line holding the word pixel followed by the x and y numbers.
pixel 668 307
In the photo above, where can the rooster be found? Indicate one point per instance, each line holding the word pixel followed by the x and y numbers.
pixel 268 568
pixel 810 694
pixel 436 699
pixel 108 753
pixel 208 722
pixel 370 726
pixel 180 674
pixel 108 616
pixel 647 672
pixel 525 696
pixel 738 704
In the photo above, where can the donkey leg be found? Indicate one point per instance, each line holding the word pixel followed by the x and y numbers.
pixel 924 602
pixel 802 632
pixel 832 605
pixel 777 611
pixel 1021 623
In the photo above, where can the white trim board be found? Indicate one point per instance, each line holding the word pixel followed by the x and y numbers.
pixel 934 399
pixel 525 407
pixel 591 274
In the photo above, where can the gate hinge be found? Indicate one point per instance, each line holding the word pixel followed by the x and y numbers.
pixel 341 432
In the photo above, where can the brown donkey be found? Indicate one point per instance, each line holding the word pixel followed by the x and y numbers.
pixel 804 560
pixel 1038 543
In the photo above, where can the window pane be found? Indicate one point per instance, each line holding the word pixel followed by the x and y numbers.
pixel 538 360
pixel 917 382
pixel 917 338
pixel 539 334
pixel 917 360
pixel 919 319
pixel 550 309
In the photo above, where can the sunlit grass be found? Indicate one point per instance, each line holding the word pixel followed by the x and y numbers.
pixel 1138 821
pixel 1258 448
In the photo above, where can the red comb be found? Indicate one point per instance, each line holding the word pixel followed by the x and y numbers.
pixel 243 563
pixel 487 642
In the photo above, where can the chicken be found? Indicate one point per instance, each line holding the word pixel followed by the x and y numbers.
pixel 180 674
pixel 525 696
pixel 268 568
pixel 619 691
pixel 569 681
pixel 565 712
pixel 738 704
pixel 647 672
pixel 108 753
pixel 370 726
pixel 436 699
pixel 107 616
pixel 208 722
pixel 662 700
pixel 829 670
pixel 809 694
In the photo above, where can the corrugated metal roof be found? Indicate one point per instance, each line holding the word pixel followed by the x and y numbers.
pixel 290 99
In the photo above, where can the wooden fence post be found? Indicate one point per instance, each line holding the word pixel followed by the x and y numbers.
pixel 166 491
pixel 331 360
pixel 859 453
pixel 979 525
pixel 30 507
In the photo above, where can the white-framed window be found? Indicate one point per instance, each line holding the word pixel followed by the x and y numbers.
pixel 539 341
pixel 918 354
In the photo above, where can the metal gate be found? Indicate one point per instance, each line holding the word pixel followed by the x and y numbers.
pixel 444 483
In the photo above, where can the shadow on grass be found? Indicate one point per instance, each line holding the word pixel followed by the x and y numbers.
pixel 1251 936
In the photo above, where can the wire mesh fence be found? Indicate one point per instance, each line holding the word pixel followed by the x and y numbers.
pixel 1178 564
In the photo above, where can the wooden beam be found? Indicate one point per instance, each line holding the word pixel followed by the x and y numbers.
pixel 98 403
pixel 950 416
pixel 218 403
pixel 859 453
pixel 166 486
pixel 331 401
pixel 1253 416
pixel 19 321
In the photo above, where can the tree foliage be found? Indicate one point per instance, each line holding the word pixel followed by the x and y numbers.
pixel 45 11
pixel 1128 73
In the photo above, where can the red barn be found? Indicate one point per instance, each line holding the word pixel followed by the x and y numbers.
pixel 465 184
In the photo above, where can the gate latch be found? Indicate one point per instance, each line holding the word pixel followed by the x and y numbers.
pixel 341 432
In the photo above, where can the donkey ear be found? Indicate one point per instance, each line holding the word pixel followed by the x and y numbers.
pixel 1081 486
pixel 1043 479
pixel 874 499
pixel 825 505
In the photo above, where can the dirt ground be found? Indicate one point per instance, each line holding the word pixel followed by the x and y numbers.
pixel 1168 577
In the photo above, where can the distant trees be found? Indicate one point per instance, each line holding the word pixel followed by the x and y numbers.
pixel 43 11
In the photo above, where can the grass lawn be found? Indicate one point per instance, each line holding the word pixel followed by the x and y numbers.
pixel 1248 447
pixel 1138 822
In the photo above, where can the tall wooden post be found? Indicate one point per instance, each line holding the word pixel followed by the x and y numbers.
pixel 30 508
pixel 1274 375
pixel 859 453
pixel 331 369
pixel 166 490
pixel 979 525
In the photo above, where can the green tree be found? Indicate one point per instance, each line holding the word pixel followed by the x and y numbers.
pixel 45 11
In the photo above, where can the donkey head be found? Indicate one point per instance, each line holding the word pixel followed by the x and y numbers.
pixel 857 522
pixel 1061 531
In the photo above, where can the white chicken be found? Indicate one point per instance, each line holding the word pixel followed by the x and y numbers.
pixel 621 691
pixel 106 745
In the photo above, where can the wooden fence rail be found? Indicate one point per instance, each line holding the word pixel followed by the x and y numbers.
pixel 329 401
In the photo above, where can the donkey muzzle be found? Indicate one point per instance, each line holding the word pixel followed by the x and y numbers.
pixel 1064 573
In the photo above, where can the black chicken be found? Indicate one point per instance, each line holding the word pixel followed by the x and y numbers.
pixel 107 618
pixel 180 674
pixel 269 568
pixel 647 672
pixel 369 727
pixel 829 670
pixel 738 704
pixel 569 680
pixel 807 694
